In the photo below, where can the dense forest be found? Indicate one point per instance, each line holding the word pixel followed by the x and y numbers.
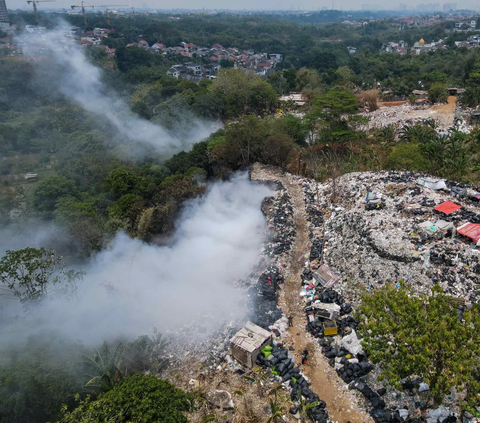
pixel 94 180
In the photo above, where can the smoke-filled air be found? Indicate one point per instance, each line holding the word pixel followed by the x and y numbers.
pixel 132 287
pixel 81 81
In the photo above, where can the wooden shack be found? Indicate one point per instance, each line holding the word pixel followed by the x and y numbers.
pixel 247 343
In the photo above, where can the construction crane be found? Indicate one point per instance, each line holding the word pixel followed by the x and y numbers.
pixel 34 2
pixel 83 6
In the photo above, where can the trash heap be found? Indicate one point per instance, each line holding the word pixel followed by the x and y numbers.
pixel 279 212
pixel 405 238
pixel 407 114
pixel 384 228
pixel 263 296
pixel 282 365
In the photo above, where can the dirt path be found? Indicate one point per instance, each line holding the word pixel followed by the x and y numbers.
pixel 342 404
pixel 447 109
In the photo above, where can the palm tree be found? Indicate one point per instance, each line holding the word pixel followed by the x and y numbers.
pixel 108 368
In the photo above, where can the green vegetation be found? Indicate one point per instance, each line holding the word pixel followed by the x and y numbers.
pixel 32 274
pixel 410 334
pixel 139 398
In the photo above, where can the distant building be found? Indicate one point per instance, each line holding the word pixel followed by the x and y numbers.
pixel 449 7
pixel 3 12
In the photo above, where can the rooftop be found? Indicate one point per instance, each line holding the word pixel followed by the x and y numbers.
pixel 250 337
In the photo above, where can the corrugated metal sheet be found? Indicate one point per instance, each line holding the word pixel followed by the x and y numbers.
pixel 250 337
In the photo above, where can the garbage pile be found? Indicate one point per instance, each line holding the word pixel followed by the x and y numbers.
pixel 263 295
pixel 279 212
pixel 384 229
pixel 263 298
pixel 282 365
pixel 407 114
pixel 406 239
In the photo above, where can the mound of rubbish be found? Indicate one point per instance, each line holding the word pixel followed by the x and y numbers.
pixel 386 227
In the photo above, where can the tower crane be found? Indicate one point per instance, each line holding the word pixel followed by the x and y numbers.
pixel 83 6
pixel 34 2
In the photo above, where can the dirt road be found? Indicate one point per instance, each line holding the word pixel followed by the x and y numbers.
pixel 342 404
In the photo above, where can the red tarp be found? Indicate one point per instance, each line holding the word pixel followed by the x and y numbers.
pixel 447 207
pixel 472 230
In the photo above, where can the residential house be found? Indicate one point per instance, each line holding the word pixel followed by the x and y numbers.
pixel 193 68
pixel 173 71
pixel 159 47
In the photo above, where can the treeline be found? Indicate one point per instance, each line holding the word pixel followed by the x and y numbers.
pixel 322 47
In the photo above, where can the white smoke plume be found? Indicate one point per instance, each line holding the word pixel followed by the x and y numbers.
pixel 132 287
pixel 81 81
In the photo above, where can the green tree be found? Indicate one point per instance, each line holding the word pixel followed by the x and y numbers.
pixel 225 63
pixel 127 210
pixel 278 150
pixel 108 367
pixel 334 116
pixel 139 398
pixel 411 334
pixel 33 273
pixel 458 158
pixel 124 181
pixel 131 57
pixel 291 126
pixel 407 156
pixel 437 93
pixel 49 191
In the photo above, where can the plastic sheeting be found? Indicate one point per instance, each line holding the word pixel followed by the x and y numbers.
pixel 432 183
pixel 470 230
pixel 447 207
pixel 352 344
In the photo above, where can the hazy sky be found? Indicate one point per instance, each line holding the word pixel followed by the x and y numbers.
pixel 245 4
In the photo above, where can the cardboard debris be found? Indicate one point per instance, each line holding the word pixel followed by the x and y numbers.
pixel 247 343
pixel 325 276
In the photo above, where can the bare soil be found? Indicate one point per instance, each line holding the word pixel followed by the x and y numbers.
pixel 390 103
pixel 447 109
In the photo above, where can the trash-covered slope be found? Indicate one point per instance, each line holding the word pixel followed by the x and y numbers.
pixel 402 237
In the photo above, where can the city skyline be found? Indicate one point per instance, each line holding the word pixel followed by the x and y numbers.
pixel 254 5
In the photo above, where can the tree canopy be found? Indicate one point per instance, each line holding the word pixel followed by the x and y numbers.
pixel 142 399
pixel 427 336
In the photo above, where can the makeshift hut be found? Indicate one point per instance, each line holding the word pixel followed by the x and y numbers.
pixel 247 343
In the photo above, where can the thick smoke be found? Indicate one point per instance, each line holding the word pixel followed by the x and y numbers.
pixel 79 80
pixel 132 287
